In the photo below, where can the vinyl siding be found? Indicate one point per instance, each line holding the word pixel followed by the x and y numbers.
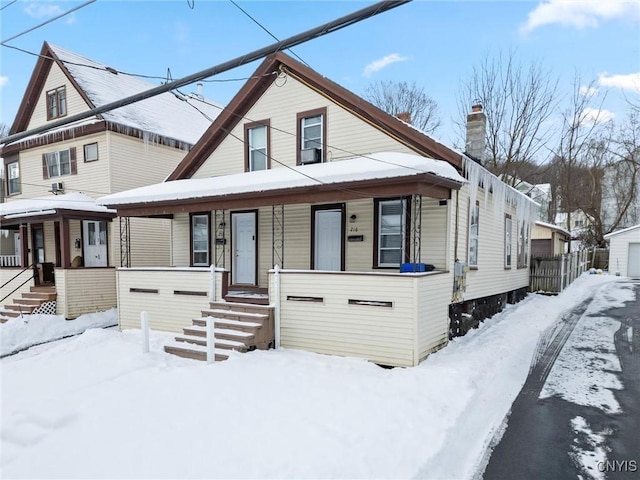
pixel 85 290
pixel 180 240
pixel 333 326
pixel 6 275
pixel 149 242
pixel 167 311
pixel 433 298
pixel 491 277
pixel 49 243
pixel 347 135
pixel 55 79
pixel 135 163
pixel 92 177
pixel 619 251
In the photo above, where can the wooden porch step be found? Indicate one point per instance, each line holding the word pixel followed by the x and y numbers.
pixel 248 300
pixel 227 323
pixel 43 289
pixel 235 314
pixel 9 313
pixel 44 296
pixel 4 319
pixel 193 351
pixel 21 307
pixel 28 301
pixel 240 307
pixel 221 343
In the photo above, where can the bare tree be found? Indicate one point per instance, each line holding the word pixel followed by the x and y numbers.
pixel 517 100
pixel 402 97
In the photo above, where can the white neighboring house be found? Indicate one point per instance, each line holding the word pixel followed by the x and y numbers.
pixel 53 235
pixel 624 252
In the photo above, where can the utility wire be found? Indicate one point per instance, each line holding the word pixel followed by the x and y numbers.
pixel 8 4
pixel 292 41
pixel 266 30
pixel 47 21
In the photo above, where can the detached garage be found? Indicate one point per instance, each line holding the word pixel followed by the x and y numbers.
pixel 624 252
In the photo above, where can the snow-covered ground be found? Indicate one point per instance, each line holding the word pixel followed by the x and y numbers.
pixel 95 406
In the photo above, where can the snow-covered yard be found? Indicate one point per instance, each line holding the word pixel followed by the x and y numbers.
pixel 95 406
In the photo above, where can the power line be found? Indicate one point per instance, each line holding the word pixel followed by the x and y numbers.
pixel 8 4
pixel 47 21
pixel 266 30
pixel 297 39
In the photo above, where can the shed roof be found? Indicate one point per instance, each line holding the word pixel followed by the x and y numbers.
pixel 619 232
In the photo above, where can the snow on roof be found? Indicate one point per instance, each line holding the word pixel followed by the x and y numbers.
pixel 49 204
pixel 374 166
pixel 553 227
pixel 164 115
pixel 618 232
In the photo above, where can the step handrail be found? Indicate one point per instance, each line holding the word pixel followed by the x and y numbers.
pixel 12 291
pixel 33 265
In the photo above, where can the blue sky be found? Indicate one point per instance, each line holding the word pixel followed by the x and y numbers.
pixel 434 43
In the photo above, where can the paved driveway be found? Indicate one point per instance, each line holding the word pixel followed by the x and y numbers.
pixel 578 414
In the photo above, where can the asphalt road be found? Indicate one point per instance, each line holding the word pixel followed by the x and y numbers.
pixel 539 436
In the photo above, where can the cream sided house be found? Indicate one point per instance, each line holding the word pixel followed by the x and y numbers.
pixel 308 218
pixel 54 238
pixel 548 239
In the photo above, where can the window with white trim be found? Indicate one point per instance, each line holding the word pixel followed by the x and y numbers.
pixel 257 148
pixel 391 233
pixel 200 240
pixel 56 103
pixel 508 227
pixel 474 221
pixel 523 244
pixel 58 163
pixel 13 178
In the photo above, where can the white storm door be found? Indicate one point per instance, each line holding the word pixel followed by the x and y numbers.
pixel 328 240
pixel 95 243
pixel 244 248
pixel 633 261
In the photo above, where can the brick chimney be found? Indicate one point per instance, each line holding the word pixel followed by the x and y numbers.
pixel 404 116
pixel 476 133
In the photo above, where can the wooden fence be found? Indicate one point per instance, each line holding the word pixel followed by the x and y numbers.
pixel 553 274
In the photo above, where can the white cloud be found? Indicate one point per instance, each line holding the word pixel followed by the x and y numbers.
pixel 588 91
pixel 41 10
pixel 626 82
pixel 3 81
pixel 593 115
pixel 580 13
pixel 383 62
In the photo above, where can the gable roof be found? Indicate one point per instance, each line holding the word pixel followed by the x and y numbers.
pixel 618 232
pixel 165 115
pixel 265 75
pixel 553 227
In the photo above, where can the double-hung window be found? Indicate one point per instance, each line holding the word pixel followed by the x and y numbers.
pixel 312 130
pixel 13 178
pixel 508 227
pixel 391 232
pixel 257 146
pixel 200 239
pixel 523 244
pixel 56 103
pixel 58 163
pixel 474 221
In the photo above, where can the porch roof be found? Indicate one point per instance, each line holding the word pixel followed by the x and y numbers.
pixel 69 204
pixel 379 174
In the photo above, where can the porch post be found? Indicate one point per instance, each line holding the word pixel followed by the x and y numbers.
pixel 212 283
pixel 24 246
pixel 65 247
pixel 276 309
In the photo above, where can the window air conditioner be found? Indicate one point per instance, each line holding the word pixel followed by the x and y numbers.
pixel 57 187
pixel 310 155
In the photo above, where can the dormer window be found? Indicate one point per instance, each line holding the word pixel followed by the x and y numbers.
pixel 56 103
pixel 312 132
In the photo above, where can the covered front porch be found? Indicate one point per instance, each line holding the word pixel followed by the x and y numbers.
pixel 364 265
pixel 60 242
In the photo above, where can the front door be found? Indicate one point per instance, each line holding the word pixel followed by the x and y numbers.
pixel 633 261
pixel 95 243
pixel 244 248
pixel 327 253
pixel 37 239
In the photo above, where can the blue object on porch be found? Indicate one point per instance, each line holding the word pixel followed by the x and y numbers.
pixel 413 267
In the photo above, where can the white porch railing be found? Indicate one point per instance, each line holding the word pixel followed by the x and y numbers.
pixel 10 261
pixel 388 318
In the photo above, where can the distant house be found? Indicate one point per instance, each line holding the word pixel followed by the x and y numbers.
pixel 548 239
pixel 624 252
pixel 541 194
pixel 50 222
pixel 331 226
